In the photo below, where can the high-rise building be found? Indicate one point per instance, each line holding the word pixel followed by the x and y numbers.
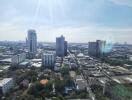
pixel 96 49
pixel 48 60
pixel 32 42
pixel 26 42
pixel 65 48
pixel 61 46
pixel 100 47
pixel 92 48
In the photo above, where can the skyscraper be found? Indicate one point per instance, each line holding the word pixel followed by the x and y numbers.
pixel 32 42
pixel 92 48
pixel 61 46
pixel 65 48
pixel 96 49
pixel 100 47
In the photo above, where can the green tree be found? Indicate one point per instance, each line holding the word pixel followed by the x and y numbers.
pixel 64 71
pixel 59 85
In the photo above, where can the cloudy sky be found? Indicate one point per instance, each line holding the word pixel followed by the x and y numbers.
pixel 77 20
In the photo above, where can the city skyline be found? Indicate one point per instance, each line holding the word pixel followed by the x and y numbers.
pixel 66 49
pixel 78 21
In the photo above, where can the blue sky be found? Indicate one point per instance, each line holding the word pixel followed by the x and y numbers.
pixel 77 20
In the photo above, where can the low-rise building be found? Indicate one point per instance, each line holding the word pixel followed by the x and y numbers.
pixel 5 85
pixel 17 59
pixel 81 84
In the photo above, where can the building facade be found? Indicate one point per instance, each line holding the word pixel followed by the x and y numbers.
pixel 92 48
pixel 17 59
pixel 48 60
pixel 97 48
pixel 32 43
pixel 65 48
pixel 5 85
pixel 61 46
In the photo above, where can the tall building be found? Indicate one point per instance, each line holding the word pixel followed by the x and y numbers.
pixel 65 48
pixel 61 46
pixel 32 42
pixel 92 48
pixel 26 42
pixel 96 49
pixel 48 60
pixel 100 47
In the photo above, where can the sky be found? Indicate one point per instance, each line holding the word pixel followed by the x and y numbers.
pixel 77 20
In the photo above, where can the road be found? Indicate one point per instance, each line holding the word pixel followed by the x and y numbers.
pixel 91 94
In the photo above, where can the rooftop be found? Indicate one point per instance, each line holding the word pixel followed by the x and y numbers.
pixel 43 82
pixel 4 81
